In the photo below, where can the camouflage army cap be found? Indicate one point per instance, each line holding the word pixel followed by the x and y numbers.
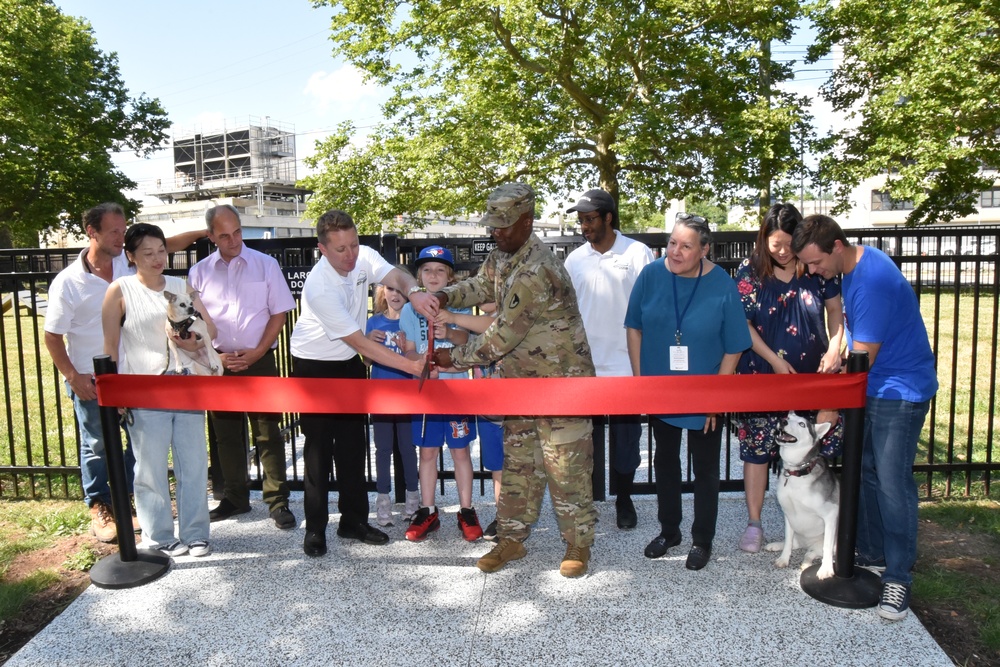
pixel 508 203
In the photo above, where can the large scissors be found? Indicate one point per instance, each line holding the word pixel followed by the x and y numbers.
pixel 426 372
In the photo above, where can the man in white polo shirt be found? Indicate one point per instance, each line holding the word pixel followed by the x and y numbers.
pixel 327 342
pixel 603 271
pixel 74 336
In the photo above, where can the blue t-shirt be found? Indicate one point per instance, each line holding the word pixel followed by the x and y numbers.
pixel 391 327
pixel 712 326
pixel 881 307
pixel 414 325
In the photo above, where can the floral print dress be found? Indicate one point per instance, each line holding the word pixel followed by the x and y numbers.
pixel 789 317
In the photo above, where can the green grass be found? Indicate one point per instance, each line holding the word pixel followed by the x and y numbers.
pixel 967 592
pixel 27 526
pixel 962 349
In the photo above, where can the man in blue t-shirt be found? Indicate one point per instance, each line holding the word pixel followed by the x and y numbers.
pixel 882 317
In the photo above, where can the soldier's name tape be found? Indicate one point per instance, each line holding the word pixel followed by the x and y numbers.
pixel 577 396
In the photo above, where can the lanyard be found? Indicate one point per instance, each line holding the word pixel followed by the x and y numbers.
pixel 680 314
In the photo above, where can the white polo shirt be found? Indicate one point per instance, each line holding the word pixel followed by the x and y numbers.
pixel 75 299
pixel 334 306
pixel 603 283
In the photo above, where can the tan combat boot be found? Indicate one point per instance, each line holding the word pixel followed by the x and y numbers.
pixel 575 561
pixel 102 523
pixel 505 551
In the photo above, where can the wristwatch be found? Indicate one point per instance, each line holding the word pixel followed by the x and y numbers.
pixel 415 288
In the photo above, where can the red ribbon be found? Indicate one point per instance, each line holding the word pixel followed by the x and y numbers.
pixel 655 395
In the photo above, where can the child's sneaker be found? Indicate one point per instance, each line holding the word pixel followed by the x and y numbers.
pixel 423 524
pixel 412 504
pixel 383 509
pixel 468 523
pixel 490 534
pixel 174 549
pixel 894 603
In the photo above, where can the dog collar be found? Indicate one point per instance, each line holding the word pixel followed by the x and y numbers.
pixel 802 470
pixel 177 324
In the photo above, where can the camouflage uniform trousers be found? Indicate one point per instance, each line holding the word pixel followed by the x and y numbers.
pixel 559 451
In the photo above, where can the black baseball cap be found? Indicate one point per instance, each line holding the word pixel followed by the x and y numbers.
pixel 593 200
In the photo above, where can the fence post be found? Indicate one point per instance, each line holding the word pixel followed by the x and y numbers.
pixel 850 587
pixel 131 567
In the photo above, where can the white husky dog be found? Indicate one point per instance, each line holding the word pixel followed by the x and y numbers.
pixel 809 495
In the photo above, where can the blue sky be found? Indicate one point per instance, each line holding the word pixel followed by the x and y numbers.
pixel 219 62
pixel 222 61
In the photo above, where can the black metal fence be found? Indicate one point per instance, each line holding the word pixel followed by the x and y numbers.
pixel 953 270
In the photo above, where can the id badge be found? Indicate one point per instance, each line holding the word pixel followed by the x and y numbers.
pixel 678 357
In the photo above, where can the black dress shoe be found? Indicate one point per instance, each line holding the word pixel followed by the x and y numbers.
pixel 625 511
pixel 314 545
pixel 226 509
pixel 362 532
pixel 698 557
pixel 283 518
pixel 660 544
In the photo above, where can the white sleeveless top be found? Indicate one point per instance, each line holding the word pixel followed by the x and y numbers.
pixel 144 335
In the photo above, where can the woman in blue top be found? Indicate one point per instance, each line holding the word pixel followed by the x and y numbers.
pixel 684 318
pixel 784 308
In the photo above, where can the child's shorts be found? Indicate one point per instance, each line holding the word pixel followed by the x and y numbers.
pixel 436 430
pixel 490 443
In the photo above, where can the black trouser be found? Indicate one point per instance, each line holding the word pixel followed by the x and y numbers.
pixel 704 450
pixel 333 439
pixel 265 429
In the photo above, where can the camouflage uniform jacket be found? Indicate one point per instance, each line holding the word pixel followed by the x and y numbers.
pixel 538 330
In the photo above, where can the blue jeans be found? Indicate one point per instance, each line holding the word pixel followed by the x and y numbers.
pixel 156 434
pixel 887 506
pixel 93 460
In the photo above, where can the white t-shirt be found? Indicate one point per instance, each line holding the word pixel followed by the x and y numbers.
pixel 144 333
pixel 603 283
pixel 74 309
pixel 334 306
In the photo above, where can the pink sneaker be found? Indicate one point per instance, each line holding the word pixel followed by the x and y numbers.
pixel 752 540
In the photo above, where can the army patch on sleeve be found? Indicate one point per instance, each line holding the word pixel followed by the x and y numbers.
pixel 514 302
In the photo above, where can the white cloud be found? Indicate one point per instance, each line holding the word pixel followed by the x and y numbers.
pixel 346 84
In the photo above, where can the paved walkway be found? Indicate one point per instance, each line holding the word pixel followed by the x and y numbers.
pixel 259 601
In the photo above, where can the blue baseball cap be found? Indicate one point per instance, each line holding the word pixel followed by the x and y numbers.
pixel 435 253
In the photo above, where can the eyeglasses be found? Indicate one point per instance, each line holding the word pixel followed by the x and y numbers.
pixel 690 217
pixel 589 219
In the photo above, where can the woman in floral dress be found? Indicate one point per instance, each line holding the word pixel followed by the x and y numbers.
pixel 785 309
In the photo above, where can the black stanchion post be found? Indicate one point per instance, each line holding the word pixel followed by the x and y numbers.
pixel 852 588
pixel 131 567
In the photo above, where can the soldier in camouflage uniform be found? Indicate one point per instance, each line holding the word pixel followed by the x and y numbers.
pixel 538 332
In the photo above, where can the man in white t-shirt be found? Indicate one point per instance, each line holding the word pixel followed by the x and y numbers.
pixel 327 342
pixel 603 271
pixel 74 336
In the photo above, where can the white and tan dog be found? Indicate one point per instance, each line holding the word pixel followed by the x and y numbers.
pixel 809 495
pixel 184 319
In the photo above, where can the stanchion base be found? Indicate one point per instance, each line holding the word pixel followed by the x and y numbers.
pixel 112 572
pixel 858 592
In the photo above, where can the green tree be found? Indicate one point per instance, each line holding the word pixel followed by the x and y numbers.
pixel 63 107
pixel 654 99
pixel 918 83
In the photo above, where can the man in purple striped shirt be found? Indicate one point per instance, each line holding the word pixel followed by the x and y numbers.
pixel 247 297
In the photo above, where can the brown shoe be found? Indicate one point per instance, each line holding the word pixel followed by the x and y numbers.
pixel 505 551
pixel 575 561
pixel 102 523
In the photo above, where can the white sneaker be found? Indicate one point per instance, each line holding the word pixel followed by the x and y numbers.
pixel 174 549
pixel 199 548
pixel 383 509
pixel 412 504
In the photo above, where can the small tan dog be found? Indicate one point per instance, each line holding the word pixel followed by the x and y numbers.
pixel 184 319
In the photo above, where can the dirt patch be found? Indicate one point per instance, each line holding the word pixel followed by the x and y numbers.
pixel 49 603
pixel 952 625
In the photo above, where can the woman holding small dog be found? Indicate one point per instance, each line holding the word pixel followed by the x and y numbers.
pixel 135 317
pixel 784 309
pixel 684 318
